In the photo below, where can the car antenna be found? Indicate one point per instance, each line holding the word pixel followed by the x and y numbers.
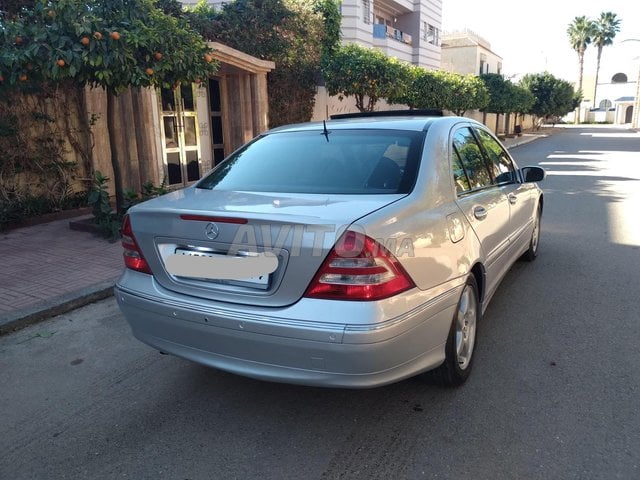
pixel 325 131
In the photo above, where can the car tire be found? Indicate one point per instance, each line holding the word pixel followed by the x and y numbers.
pixel 531 254
pixel 461 341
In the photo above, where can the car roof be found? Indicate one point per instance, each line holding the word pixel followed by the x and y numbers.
pixel 414 123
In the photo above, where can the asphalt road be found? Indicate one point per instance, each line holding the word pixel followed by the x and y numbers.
pixel 555 393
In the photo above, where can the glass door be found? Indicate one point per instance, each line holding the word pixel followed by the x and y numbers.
pixel 180 136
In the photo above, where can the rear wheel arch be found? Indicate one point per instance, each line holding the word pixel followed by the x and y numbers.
pixel 461 340
pixel 479 273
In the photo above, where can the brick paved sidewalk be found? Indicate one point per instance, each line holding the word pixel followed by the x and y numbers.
pixel 44 266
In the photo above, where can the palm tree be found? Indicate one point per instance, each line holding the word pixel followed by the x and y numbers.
pixel 580 32
pixel 606 27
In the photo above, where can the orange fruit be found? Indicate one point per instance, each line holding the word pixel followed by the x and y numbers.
pixel 1 78
pixel 115 35
pixel 208 58
pixel 149 71
pixel 51 13
pixel 23 78
pixel 158 56
pixel 61 63
pixel 85 41
pixel 18 40
pixel 97 35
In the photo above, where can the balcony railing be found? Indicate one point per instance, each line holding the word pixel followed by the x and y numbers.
pixel 384 31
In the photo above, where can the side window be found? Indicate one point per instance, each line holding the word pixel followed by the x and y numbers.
pixel 472 159
pixel 502 166
pixel 459 175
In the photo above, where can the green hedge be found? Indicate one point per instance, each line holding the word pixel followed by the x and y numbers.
pixel 16 211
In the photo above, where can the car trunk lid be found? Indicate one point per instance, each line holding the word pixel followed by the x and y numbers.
pixel 209 243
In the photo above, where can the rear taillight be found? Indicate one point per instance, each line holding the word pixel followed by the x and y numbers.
pixel 359 268
pixel 133 257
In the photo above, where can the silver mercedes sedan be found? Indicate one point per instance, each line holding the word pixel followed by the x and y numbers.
pixel 352 253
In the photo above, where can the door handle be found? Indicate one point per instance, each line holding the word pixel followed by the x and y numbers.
pixel 480 212
pixel 512 198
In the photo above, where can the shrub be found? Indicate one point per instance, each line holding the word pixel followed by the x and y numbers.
pixel 16 210
pixel 365 73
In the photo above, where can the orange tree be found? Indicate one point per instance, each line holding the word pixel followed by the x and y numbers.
pixel 441 90
pixel 466 92
pixel 520 102
pixel 552 96
pixel 500 91
pixel 296 34
pixel 424 89
pixel 112 44
pixel 361 72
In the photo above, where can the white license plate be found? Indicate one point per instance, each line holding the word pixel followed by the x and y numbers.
pixel 217 266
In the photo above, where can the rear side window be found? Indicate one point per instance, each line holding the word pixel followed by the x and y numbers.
pixel 343 162
pixel 501 164
pixel 459 175
pixel 473 163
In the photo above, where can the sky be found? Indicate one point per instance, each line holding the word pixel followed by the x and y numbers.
pixel 531 36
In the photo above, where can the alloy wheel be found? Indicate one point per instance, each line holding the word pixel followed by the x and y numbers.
pixel 466 326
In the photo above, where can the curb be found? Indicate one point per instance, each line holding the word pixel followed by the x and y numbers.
pixel 533 135
pixel 56 306
pixel 526 141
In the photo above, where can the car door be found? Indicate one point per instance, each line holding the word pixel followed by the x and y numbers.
pixel 483 202
pixel 519 195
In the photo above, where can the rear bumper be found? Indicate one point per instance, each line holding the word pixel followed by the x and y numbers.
pixel 282 349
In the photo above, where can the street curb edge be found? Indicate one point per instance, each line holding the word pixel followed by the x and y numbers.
pixel 57 306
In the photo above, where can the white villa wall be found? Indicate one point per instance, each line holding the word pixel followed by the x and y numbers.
pixel 464 51
pixel 613 91
pixel 466 60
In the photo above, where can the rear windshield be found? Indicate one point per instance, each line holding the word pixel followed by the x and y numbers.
pixel 342 162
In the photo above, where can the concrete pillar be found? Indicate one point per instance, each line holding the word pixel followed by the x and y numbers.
pixel 240 117
pixel 227 138
pixel 235 111
pixel 260 103
pixel 127 133
pixel 127 144
pixel 96 101
pixel 247 115
pixel 149 167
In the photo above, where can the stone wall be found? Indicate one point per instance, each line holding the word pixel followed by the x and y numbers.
pixel 135 134
pixel 45 143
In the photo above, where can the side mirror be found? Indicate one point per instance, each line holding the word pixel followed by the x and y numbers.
pixel 533 174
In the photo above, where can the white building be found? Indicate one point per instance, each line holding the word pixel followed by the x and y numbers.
pixel 406 29
pixel 615 98
pixel 409 30
pixel 466 52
